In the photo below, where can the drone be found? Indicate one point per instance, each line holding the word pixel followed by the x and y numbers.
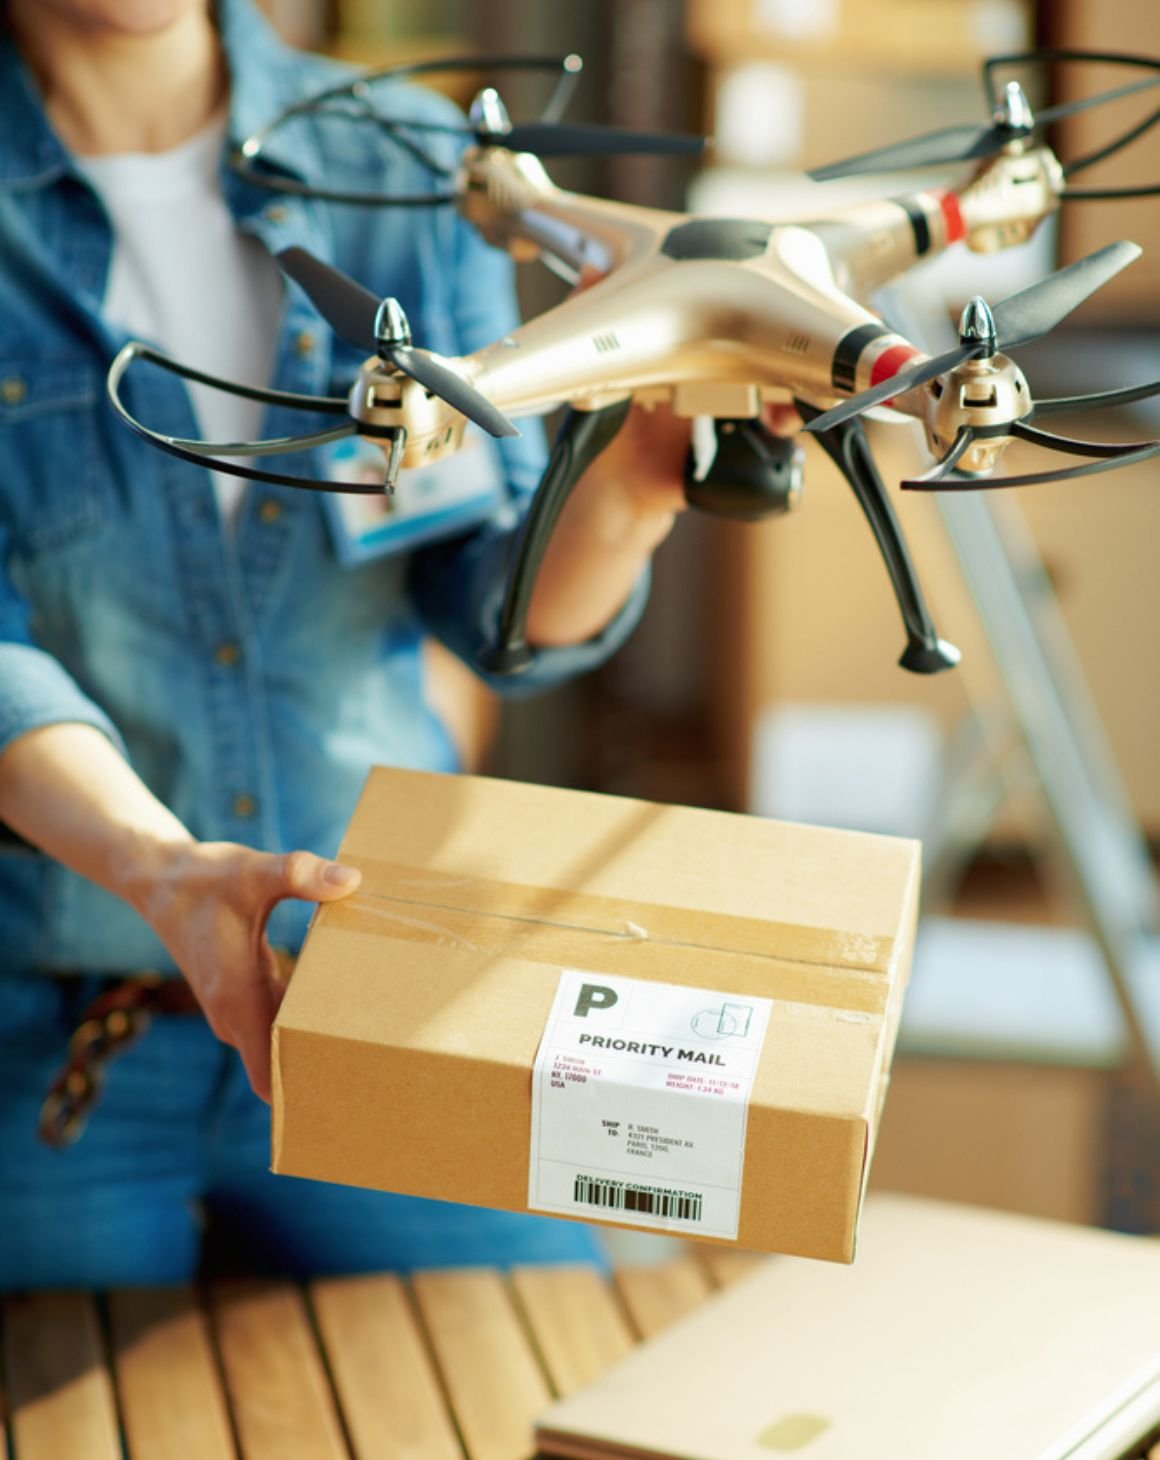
pixel 714 317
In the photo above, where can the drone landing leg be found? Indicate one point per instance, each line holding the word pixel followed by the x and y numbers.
pixel 582 436
pixel 846 445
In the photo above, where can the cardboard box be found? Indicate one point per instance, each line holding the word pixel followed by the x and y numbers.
pixel 1131 27
pixel 404 1049
pixel 946 36
pixel 1015 1136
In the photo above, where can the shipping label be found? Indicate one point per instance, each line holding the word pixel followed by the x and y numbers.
pixel 640 1095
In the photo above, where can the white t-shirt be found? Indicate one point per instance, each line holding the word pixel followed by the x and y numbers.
pixel 184 278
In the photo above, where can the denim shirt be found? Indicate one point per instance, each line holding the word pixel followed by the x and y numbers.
pixel 250 681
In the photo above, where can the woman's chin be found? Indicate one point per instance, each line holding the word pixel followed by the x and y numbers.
pixel 125 17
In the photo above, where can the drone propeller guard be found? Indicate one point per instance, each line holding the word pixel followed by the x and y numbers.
pixel 212 455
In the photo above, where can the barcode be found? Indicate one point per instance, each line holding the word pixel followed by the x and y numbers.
pixel 654 1201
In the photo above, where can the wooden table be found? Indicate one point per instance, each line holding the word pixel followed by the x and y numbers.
pixel 437 1366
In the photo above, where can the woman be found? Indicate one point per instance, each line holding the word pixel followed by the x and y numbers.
pixel 191 686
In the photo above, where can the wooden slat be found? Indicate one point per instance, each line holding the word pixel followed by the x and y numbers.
pixel 657 1296
pixel 59 1391
pixel 279 1394
pixel 493 1378
pixel 725 1266
pixel 578 1327
pixel 387 1386
pixel 173 1406
pixel 5 1411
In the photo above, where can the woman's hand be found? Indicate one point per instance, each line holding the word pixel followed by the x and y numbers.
pixel 67 790
pixel 642 471
pixel 209 903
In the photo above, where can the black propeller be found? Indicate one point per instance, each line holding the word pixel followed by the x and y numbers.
pixel 965 143
pixel 1017 320
pixel 490 126
pixel 380 327
pixel 573 139
pixel 360 101
pixel 1012 121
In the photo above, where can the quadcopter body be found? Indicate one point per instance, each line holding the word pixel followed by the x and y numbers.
pixel 715 318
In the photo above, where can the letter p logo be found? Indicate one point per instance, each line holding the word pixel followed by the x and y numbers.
pixel 594 996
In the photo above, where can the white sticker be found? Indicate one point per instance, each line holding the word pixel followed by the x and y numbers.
pixel 428 503
pixel 640 1096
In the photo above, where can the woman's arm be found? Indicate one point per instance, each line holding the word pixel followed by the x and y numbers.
pixel 65 788
pixel 617 515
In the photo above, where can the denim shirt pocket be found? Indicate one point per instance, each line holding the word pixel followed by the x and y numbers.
pixel 57 480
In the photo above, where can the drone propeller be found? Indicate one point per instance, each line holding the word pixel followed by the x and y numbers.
pixel 575 139
pixel 354 100
pixel 1017 320
pixel 1012 121
pixel 942 148
pixel 380 327
pixel 490 126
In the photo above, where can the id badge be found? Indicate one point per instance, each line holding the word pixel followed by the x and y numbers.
pixel 428 503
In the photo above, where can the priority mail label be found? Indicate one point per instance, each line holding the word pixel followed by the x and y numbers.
pixel 640 1096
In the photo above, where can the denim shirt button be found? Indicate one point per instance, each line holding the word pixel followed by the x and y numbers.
pixel 245 806
pixel 227 654
pixel 269 510
pixel 304 342
pixel 13 389
pixel 275 213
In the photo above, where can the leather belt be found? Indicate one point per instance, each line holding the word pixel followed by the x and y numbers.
pixel 115 1019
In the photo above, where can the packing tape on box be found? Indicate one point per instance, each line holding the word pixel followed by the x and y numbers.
pixel 577 930
pixel 564 907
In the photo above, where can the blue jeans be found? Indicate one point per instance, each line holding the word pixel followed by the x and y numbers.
pixel 175 1160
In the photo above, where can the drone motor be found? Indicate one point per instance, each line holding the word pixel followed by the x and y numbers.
pixel 985 394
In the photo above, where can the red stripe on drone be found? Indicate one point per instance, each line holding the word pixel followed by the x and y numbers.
pixel 891 361
pixel 952 216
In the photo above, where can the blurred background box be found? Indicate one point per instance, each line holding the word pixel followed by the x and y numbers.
pixel 1019 1137
pixel 1008 1089
pixel 896 35
pixel 783 113
pixel 1133 27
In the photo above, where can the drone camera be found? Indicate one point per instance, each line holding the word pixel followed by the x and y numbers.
pixel 738 469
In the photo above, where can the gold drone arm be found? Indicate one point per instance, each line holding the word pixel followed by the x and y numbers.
pixel 874 242
pixel 515 205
